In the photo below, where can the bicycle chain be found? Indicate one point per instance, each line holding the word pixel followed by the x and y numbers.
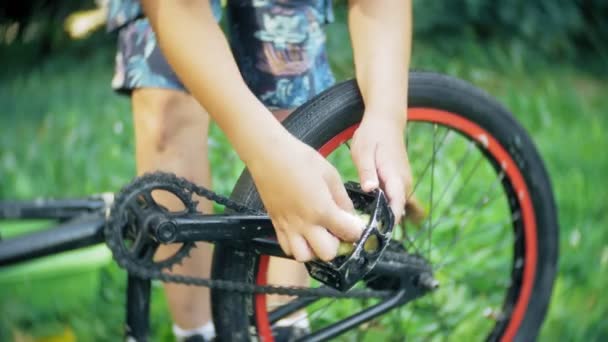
pixel 114 239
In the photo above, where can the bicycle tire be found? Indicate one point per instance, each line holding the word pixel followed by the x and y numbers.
pixel 456 104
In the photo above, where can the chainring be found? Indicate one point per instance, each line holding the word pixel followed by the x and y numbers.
pixel 126 231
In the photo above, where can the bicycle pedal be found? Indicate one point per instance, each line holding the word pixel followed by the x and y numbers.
pixel 346 270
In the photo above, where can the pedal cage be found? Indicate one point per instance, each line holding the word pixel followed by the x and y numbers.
pixel 344 271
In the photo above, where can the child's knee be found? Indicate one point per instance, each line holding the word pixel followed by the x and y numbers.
pixel 161 116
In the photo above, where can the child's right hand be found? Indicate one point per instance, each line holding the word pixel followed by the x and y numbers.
pixel 306 200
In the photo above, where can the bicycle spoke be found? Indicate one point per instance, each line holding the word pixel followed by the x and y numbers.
pixel 474 276
pixel 456 196
pixel 428 164
pixel 300 318
pixel 466 281
pixel 319 312
pixel 281 310
pixel 430 221
pixel 481 229
pixel 488 197
pixel 483 201
pixel 451 262
pixel 443 263
pixel 410 244
pixel 459 168
pixel 459 191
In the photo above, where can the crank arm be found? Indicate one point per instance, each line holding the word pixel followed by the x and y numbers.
pixel 241 231
pixel 210 228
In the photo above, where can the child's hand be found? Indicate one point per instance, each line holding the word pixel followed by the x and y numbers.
pixel 306 200
pixel 379 152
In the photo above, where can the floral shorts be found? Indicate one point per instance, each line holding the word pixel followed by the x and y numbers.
pixel 279 46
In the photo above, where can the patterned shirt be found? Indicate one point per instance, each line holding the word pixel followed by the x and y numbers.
pixel 122 12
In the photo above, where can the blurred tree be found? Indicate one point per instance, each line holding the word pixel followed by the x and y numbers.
pixel 37 23
pixel 558 28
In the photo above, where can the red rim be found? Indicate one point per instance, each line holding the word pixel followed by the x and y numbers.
pixel 472 130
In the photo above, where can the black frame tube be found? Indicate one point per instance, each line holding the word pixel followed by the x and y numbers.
pixel 358 318
pixel 138 309
pixel 60 209
pixel 80 232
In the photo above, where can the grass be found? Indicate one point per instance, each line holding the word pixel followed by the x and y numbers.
pixel 64 133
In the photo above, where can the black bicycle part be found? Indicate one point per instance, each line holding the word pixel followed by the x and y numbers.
pixel 82 231
pixel 344 272
pixel 388 282
pixel 138 309
pixel 53 209
pixel 136 215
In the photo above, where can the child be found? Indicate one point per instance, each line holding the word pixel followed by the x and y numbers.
pixel 179 69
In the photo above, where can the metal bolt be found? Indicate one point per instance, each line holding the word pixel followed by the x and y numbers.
pixel 166 231
pixel 427 281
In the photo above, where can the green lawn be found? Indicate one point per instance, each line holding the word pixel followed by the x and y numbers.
pixel 64 133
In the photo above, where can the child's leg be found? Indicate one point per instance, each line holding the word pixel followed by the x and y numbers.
pixel 171 135
pixel 171 131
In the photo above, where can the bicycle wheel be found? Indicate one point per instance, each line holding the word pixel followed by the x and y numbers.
pixel 490 233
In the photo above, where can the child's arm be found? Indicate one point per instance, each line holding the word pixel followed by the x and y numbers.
pixel 381 33
pixel 302 192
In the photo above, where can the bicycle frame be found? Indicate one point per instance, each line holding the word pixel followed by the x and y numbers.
pixel 82 223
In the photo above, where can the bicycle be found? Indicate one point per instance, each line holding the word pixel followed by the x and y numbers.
pixel 482 263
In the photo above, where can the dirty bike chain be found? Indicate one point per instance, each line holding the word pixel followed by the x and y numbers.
pixel 184 190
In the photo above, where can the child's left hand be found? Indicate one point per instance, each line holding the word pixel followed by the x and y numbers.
pixel 379 153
